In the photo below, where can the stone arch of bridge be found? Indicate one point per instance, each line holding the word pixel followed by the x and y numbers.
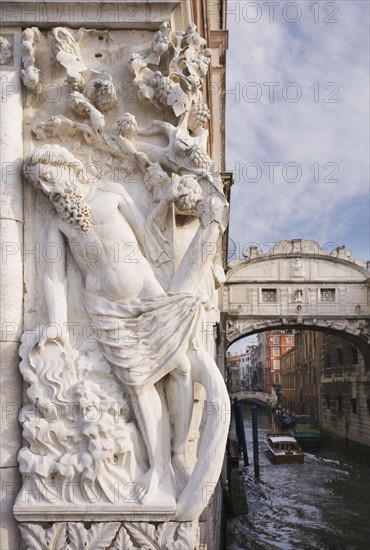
pixel 298 285
pixel 356 340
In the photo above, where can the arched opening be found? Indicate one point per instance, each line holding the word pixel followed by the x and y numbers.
pixel 314 371
pixel 359 343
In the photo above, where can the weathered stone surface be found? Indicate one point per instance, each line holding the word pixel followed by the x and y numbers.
pixel 345 390
pixel 89 13
pixel 11 142
pixel 11 289
pixel 11 402
pixel 10 484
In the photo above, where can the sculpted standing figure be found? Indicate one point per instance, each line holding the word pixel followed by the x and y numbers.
pixel 147 334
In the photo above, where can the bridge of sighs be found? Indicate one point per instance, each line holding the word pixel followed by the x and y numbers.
pixel 298 285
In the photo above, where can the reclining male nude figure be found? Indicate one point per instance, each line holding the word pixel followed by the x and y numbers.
pixel 167 324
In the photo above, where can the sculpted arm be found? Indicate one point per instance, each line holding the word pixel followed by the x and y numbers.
pixel 55 288
pixel 135 218
pixel 173 192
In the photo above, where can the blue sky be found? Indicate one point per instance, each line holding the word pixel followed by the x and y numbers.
pixel 299 146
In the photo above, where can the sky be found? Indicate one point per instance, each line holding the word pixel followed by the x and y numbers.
pixel 297 123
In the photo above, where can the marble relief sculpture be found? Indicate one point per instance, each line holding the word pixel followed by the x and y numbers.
pixel 135 236
pixel 6 51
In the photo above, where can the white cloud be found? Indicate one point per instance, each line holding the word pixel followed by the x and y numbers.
pixel 321 135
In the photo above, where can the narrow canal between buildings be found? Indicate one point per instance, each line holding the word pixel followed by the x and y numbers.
pixel 323 504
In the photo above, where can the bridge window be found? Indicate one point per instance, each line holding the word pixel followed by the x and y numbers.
pixel 354 355
pixel 340 405
pixel 340 357
pixel 269 295
pixel 354 405
pixel 327 295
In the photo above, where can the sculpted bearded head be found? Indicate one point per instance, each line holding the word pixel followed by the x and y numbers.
pixel 53 170
pixel 51 166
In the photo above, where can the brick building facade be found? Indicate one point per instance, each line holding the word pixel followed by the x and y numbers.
pixel 325 376
pixel 274 344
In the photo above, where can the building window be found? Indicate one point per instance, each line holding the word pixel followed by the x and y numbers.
pixel 354 355
pixel 327 295
pixel 340 405
pixel 289 339
pixel 354 405
pixel 340 357
pixel 328 361
pixel 276 351
pixel 269 295
pixel 276 364
pixel 276 339
pixel 277 378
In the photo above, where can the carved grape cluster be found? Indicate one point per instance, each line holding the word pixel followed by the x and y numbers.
pixel 162 87
pixel 200 159
pixel 199 116
pixel 190 200
pixel 101 93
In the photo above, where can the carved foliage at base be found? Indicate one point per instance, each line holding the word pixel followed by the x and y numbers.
pixel 111 535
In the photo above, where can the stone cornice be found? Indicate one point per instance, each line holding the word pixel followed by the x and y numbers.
pixel 123 14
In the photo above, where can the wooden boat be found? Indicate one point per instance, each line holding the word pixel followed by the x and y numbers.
pixel 308 437
pixel 284 449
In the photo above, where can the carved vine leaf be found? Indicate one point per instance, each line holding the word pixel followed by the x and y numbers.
pixel 69 53
pixel 123 541
pixel 146 537
pixel 165 534
pixel 37 538
pixel 173 80
pixel 188 536
pixel 143 535
pixel 178 100
pixel 98 537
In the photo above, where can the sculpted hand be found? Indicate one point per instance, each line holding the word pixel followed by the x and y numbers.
pixel 175 192
pixel 54 333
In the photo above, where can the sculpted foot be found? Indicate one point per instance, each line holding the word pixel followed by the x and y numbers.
pixel 182 470
pixel 148 485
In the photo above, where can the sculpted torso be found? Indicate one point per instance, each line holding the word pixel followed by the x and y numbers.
pixel 109 254
pixel 122 247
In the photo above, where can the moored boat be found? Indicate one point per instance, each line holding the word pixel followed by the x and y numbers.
pixel 308 437
pixel 284 449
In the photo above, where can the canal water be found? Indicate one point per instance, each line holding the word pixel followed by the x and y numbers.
pixel 323 504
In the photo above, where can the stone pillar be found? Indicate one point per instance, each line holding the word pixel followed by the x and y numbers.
pixel 139 499
pixel 11 290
